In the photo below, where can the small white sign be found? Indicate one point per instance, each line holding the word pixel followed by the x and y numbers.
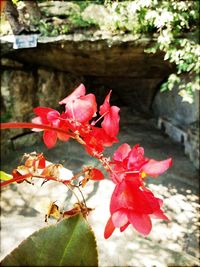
pixel 25 41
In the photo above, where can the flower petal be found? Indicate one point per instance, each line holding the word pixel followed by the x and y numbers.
pixel 109 229
pixel 119 218
pixel 124 227
pixel 77 93
pixel 140 200
pixel 106 105
pixel 159 214
pixel 141 222
pixel 53 117
pixel 96 174
pixel 136 157
pixel 118 198
pixel 111 121
pixel 50 138
pixel 42 113
pixel 82 109
pixel 37 120
pixel 122 152
pixel 111 117
pixel 155 168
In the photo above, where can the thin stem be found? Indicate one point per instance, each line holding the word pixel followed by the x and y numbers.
pixel 104 162
pixel 127 172
pixel 73 193
pixel 30 175
pixel 78 174
pixel 81 194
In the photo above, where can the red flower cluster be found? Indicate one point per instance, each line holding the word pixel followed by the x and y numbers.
pixel 76 122
pixel 131 202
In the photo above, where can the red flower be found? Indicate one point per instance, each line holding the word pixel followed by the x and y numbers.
pixel 53 118
pixel 111 117
pixel 80 107
pixel 132 203
pixel 97 139
pixel 131 162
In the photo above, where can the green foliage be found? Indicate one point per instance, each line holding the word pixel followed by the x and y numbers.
pixel 6 116
pixel 68 243
pixel 5 176
pixel 7 111
pixel 77 21
pixel 48 29
pixel 170 22
pixel 15 1
pixel 70 21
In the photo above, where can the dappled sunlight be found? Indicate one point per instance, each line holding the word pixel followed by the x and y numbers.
pixel 115 171
pixel 169 243
pixel 181 233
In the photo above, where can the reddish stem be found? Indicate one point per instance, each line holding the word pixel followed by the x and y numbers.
pixel 2 184
pixel 24 177
pixel 10 125
pixel 15 180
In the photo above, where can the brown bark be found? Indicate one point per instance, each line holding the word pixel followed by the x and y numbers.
pixel 12 15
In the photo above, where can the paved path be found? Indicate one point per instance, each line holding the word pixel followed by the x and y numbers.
pixel 170 244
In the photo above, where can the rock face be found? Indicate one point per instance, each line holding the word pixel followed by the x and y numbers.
pixel 180 120
pixel 52 86
pixel 22 90
pixel 58 8
pixel 170 105
pixel 116 62
pixel 96 57
pixel 17 87
pixel 97 13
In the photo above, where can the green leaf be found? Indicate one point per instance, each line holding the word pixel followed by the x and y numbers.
pixel 70 242
pixel 5 176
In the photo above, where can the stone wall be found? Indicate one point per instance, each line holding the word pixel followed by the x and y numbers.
pixel 24 88
pixel 180 120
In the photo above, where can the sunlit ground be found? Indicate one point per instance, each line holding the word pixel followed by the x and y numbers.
pixel 173 243
pixel 169 243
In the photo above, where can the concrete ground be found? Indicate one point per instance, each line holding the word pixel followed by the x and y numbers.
pixel 174 243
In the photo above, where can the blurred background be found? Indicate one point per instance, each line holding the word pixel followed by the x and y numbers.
pixel 147 52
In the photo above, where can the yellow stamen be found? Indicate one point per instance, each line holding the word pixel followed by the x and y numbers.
pixel 143 175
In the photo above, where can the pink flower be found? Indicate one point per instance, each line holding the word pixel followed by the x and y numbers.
pixel 79 106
